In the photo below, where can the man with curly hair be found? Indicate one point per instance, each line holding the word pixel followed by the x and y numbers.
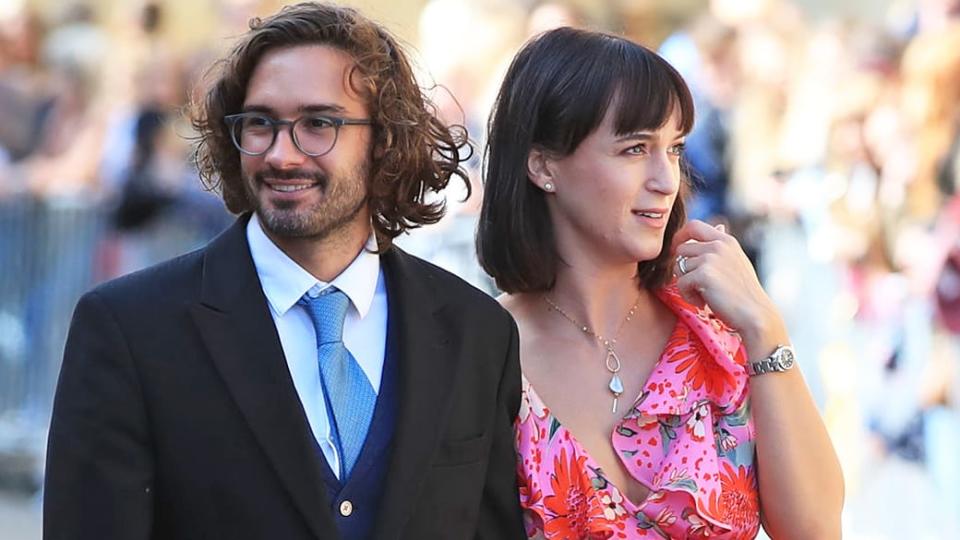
pixel 298 377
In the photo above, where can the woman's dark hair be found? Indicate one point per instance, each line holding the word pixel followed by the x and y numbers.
pixel 413 154
pixel 556 93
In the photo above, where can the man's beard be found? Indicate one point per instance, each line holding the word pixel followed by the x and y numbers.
pixel 342 200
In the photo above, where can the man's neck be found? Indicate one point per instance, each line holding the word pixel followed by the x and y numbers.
pixel 324 258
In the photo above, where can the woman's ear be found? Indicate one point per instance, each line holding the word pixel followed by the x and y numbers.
pixel 540 170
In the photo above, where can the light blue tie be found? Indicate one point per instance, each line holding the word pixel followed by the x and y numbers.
pixel 348 390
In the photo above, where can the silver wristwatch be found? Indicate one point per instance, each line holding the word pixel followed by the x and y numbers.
pixel 782 359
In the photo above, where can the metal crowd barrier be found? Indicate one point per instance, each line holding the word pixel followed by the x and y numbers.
pixel 51 252
pixel 47 259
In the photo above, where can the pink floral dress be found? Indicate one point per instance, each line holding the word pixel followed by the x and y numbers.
pixel 688 438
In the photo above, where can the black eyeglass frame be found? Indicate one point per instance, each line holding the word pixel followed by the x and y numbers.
pixel 338 122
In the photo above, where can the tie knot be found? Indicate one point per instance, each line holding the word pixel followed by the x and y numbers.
pixel 327 312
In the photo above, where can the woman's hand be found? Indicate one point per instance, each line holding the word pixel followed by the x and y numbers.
pixel 717 272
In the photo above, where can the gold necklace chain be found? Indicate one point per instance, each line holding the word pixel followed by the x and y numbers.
pixel 611 359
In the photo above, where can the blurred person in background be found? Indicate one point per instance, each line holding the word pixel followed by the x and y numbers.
pixel 298 377
pixel 931 105
pixel 653 405
pixel 159 209
pixel 64 161
pixel 22 103
pixel 156 87
pixel 77 40
pixel 47 81
pixel 705 54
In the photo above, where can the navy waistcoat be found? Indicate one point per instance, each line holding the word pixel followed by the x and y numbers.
pixel 361 494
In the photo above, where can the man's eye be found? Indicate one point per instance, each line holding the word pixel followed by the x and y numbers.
pixel 256 122
pixel 318 122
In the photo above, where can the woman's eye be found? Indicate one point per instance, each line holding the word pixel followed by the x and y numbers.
pixel 677 149
pixel 637 150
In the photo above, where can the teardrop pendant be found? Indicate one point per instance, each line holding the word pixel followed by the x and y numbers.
pixel 616 385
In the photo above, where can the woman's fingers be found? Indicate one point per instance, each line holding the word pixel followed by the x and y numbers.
pixel 711 267
pixel 694 249
pixel 692 287
pixel 699 231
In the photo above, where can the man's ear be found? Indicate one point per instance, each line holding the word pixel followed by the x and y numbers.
pixel 540 170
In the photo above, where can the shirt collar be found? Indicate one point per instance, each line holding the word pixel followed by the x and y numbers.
pixel 285 282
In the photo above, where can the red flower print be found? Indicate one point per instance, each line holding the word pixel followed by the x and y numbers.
pixel 737 504
pixel 739 498
pixel 572 506
pixel 699 369
pixel 528 495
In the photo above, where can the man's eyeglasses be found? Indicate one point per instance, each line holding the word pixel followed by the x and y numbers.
pixel 315 134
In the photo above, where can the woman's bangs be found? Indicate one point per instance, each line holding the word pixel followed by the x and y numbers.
pixel 648 93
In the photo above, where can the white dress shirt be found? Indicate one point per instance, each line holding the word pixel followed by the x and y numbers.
pixel 284 282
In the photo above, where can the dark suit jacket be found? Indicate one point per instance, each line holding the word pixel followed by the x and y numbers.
pixel 176 417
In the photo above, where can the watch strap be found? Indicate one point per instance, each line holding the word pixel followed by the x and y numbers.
pixel 780 360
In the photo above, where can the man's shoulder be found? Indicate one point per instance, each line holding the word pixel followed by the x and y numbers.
pixel 452 287
pixel 171 280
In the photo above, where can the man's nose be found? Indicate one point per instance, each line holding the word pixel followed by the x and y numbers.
pixel 284 153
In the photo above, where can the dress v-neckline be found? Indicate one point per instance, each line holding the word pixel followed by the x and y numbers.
pixel 590 462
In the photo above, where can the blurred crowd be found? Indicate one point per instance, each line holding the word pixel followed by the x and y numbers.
pixel 828 143
pixel 98 116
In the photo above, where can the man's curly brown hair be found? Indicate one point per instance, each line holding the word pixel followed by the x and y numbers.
pixel 413 152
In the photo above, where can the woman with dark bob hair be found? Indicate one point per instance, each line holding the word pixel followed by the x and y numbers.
pixel 660 397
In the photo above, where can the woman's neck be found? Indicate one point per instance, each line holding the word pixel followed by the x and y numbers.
pixel 598 298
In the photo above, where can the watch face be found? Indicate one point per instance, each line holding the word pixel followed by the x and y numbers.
pixel 786 358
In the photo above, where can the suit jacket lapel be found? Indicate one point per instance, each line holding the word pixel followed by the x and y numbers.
pixel 239 332
pixel 426 374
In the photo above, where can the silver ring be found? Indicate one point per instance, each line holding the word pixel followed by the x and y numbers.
pixel 682 264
